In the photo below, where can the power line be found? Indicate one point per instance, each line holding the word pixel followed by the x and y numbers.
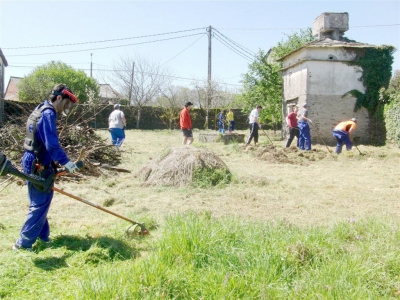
pixel 237 44
pixel 109 47
pixel 297 28
pixel 104 41
pixel 184 49
pixel 233 49
pixel 119 70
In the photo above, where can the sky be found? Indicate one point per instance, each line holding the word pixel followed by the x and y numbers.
pixel 78 33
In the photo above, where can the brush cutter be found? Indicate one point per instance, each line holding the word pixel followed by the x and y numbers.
pixel 7 168
pixel 316 129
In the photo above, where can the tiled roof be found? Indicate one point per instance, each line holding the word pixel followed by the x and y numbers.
pixel 327 42
pixel 12 88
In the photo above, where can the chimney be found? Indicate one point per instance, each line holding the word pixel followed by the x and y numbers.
pixel 331 25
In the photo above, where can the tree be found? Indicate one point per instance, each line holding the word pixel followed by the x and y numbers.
pixel 141 81
pixel 172 100
pixel 37 86
pixel 391 98
pixel 262 85
pixel 221 96
pixel 293 42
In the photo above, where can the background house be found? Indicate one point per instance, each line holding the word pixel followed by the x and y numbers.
pixel 12 89
pixel 108 95
pixel 319 74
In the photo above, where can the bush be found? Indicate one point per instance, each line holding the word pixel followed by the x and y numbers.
pixel 206 177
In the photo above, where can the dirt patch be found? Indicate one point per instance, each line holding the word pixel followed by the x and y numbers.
pixel 291 155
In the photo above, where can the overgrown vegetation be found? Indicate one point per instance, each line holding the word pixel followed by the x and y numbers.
pixel 262 84
pixel 199 257
pixel 376 68
pixel 206 177
pixel 37 86
pixel 391 97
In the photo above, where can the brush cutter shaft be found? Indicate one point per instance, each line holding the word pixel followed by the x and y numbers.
pixel 96 206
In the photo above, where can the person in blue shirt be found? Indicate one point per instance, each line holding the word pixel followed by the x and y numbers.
pixel 42 150
pixel 221 119
pixel 304 136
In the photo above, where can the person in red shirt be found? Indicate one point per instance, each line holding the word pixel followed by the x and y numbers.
pixel 186 124
pixel 342 134
pixel 291 121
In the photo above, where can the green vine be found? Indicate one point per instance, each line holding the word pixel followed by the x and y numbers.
pixel 376 67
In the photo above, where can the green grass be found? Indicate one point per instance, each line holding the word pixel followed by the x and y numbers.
pixel 195 256
pixel 198 257
pixel 207 177
pixel 276 231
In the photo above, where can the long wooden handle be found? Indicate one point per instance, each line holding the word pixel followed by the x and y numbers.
pixel 96 206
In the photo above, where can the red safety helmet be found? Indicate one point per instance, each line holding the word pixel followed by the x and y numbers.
pixel 64 90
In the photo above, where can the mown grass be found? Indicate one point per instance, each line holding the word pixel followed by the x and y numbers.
pixel 328 229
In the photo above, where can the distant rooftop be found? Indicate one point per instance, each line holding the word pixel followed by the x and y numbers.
pixel 107 92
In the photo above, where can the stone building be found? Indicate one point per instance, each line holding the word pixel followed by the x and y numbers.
pixel 318 73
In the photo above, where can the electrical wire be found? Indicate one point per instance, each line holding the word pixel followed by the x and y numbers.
pixel 103 41
pixel 109 47
pixel 233 49
pixel 122 70
pixel 237 44
pixel 297 28
pixel 234 46
pixel 184 49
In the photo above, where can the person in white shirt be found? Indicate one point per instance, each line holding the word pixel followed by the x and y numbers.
pixel 254 125
pixel 116 126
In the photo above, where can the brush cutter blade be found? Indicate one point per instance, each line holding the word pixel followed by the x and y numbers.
pixel 137 230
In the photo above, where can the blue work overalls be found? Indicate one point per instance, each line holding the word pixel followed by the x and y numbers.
pixel 36 224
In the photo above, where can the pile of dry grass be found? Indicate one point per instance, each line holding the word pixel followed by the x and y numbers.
pixel 176 166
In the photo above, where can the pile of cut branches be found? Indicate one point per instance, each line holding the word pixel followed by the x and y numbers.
pixel 77 138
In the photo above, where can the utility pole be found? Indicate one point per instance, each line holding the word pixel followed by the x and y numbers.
pixel 132 79
pixel 91 64
pixel 209 96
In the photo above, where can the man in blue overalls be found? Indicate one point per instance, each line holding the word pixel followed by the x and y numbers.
pixel 221 119
pixel 42 149
pixel 305 136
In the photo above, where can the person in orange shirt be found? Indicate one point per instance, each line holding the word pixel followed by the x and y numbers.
pixel 186 124
pixel 342 134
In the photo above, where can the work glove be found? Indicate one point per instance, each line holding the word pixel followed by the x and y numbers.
pixel 71 167
pixel 309 121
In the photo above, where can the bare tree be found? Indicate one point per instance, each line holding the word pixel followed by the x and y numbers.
pixel 221 95
pixel 141 81
pixel 172 100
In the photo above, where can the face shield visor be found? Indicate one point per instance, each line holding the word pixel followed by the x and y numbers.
pixel 71 102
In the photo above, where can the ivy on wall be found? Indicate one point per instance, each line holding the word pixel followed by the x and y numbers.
pixel 391 98
pixel 376 67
